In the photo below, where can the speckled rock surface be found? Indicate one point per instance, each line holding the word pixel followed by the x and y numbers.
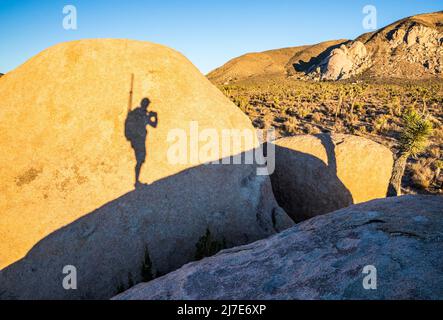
pixel 345 62
pixel 323 258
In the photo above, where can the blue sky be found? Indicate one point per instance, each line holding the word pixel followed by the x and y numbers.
pixel 208 32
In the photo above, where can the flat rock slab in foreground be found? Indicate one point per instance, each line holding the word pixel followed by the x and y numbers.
pixel 323 258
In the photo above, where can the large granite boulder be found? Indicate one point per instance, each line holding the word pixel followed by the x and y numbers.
pixel 73 138
pixel 322 173
pixel 384 249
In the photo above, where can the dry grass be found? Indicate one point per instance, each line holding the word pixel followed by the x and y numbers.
pixel 368 109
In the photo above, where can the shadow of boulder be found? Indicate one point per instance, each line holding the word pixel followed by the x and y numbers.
pixel 147 232
pixel 305 186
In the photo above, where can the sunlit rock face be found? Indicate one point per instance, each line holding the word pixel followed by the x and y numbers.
pixel 317 174
pixel 68 168
pixel 344 62
pixel 420 45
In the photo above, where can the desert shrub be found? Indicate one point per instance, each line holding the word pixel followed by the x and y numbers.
pixel 310 129
pixel 358 107
pixel 208 246
pixel 317 117
pixel 438 133
pixel 146 269
pixel 437 166
pixel 421 175
pixel 396 107
pixel 435 152
pixel 303 111
pixel 258 123
pixel 276 101
pixel 362 130
pixel 380 123
pixel 352 118
pixel 416 132
pixel 241 102
pixel 291 111
pixel 291 126
pixel 226 91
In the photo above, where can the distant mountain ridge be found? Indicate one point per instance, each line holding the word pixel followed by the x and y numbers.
pixel 411 48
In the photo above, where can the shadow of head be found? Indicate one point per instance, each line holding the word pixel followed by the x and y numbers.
pixel 145 103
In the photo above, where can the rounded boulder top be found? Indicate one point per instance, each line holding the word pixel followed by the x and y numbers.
pixel 65 148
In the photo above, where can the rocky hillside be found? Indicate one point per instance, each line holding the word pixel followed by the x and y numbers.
pixel 411 48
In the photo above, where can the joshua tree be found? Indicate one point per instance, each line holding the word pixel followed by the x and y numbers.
pixel 413 140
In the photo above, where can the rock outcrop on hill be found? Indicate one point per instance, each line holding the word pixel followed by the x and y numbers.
pixel 393 245
pixel 73 139
pixel 318 174
pixel 411 48
pixel 343 62
pixel 302 62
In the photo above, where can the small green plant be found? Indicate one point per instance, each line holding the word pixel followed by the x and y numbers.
pixel 226 91
pixel 339 103
pixel 354 92
pixel 303 111
pixel 276 102
pixel 291 111
pixel 380 123
pixel 120 288
pixel 146 269
pixel 242 102
pixel 417 130
pixel 207 246
pixel 123 287
pixel 358 107
pixel 291 126
pixel 422 175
